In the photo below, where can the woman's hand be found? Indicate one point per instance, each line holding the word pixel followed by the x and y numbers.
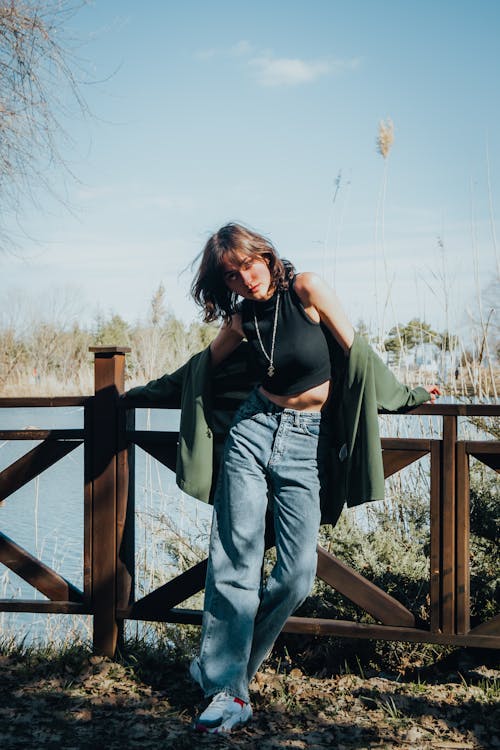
pixel 434 391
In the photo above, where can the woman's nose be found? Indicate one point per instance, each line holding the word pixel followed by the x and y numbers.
pixel 246 276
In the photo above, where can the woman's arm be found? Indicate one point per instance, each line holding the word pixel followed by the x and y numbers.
pixel 321 303
pixel 226 341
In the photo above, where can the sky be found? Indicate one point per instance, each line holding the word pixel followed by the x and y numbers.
pixel 267 113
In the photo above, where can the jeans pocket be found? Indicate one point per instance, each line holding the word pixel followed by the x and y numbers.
pixel 311 427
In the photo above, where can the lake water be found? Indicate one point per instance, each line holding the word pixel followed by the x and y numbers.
pixel 46 518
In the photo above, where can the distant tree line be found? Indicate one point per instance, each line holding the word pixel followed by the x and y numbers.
pixel 417 332
pixel 49 352
pixel 33 353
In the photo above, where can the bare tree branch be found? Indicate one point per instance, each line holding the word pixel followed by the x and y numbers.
pixel 38 90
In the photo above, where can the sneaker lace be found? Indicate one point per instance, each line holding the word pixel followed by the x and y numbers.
pixel 220 698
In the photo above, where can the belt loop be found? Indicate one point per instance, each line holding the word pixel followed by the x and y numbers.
pixel 296 419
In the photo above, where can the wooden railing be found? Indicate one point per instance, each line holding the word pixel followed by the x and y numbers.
pixel 109 435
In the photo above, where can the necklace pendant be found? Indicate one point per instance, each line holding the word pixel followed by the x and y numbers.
pixel 269 357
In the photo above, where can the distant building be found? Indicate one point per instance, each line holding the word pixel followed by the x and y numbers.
pixel 428 359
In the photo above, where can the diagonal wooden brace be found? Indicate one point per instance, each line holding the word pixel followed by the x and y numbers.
pixel 489 458
pixel 160 445
pixel 172 593
pixel 491 627
pixel 33 463
pixel 362 592
pixel 36 573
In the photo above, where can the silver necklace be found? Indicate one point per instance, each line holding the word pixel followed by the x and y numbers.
pixel 270 357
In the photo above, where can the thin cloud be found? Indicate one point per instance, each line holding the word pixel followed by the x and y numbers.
pixel 242 48
pixel 283 71
pixel 270 71
pixel 206 54
pixel 96 192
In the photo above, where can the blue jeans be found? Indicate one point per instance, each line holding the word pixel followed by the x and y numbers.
pixel 273 459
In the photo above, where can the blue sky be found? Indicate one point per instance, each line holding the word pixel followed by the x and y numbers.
pixel 203 113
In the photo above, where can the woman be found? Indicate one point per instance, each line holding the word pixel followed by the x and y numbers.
pixel 274 459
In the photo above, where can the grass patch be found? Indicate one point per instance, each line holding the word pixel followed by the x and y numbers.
pixel 70 698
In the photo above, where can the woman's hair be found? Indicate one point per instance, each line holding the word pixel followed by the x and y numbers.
pixel 209 288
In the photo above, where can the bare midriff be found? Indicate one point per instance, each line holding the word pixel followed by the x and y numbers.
pixel 314 399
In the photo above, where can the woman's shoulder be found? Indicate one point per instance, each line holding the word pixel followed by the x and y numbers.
pixel 307 283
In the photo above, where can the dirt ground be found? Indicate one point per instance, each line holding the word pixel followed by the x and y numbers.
pixel 83 701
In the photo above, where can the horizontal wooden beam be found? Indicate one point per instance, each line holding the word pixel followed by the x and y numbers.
pixel 176 615
pixel 362 592
pixel 346 629
pixel 36 573
pixel 463 410
pixel 33 463
pixel 152 437
pixel 343 629
pixel 35 434
pixel 482 446
pixel 35 605
pixel 45 401
pixel 436 410
pixel 406 444
pixel 453 410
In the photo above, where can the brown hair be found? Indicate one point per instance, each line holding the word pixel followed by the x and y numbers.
pixel 209 288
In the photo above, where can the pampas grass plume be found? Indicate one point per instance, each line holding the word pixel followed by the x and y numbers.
pixel 385 137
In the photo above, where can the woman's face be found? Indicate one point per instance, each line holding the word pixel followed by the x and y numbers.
pixel 248 276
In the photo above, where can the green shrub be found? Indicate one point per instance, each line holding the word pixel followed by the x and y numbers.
pixel 395 557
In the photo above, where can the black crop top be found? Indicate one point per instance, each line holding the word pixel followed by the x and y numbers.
pixel 301 355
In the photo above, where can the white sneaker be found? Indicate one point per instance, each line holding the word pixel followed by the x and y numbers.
pixel 224 714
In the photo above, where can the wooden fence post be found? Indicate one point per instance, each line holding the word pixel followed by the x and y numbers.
pixel 448 525
pixel 125 516
pixel 462 544
pixel 108 482
pixel 436 572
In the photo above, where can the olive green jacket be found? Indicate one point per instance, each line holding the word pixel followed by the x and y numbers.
pixel 208 398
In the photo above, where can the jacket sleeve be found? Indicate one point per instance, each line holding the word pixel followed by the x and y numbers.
pixel 390 393
pixel 165 390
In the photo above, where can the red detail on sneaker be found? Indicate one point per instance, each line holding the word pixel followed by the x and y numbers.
pixel 238 700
